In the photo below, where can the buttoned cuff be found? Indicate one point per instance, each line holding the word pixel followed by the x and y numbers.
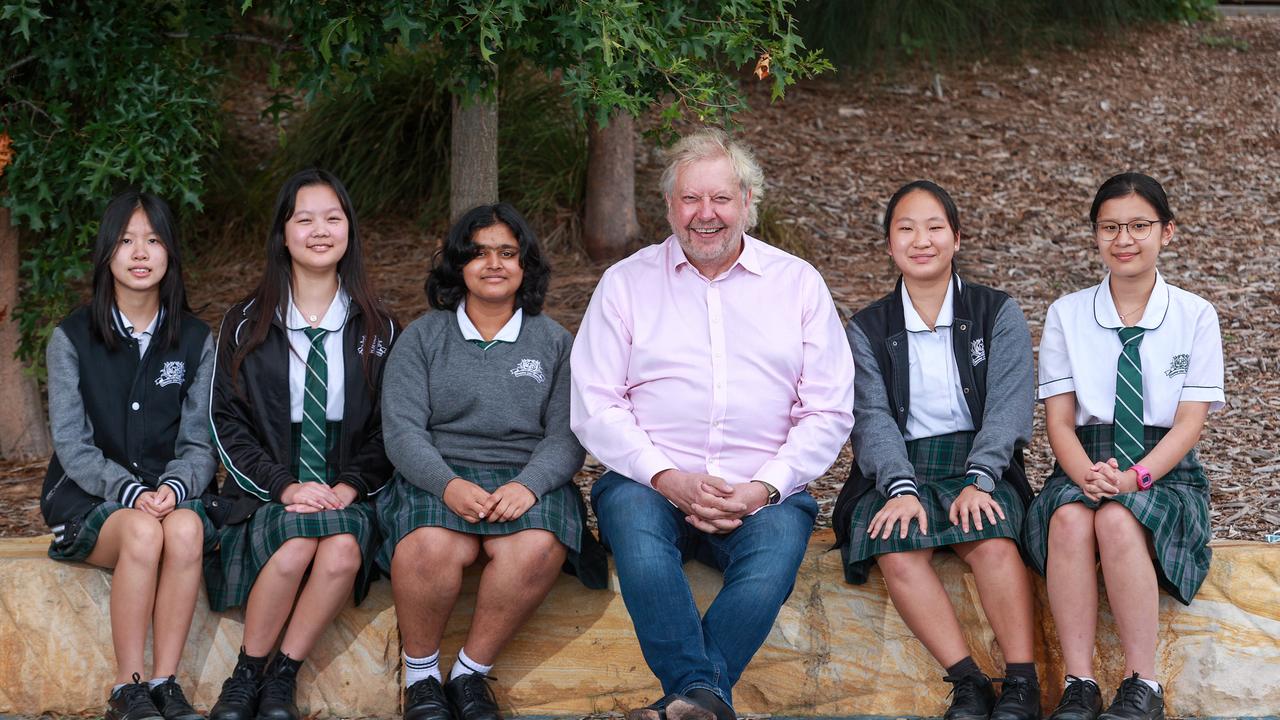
pixel 650 462
pixel 781 477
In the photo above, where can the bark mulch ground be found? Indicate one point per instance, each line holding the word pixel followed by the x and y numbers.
pixel 1022 146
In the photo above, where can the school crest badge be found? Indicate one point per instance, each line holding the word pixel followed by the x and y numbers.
pixel 977 352
pixel 1178 365
pixel 379 348
pixel 172 373
pixel 530 369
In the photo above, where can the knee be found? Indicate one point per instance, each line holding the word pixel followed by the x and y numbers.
pixel 993 552
pixel 1072 526
pixel 338 557
pixel 1113 525
pixel 901 566
pixel 183 537
pixel 143 538
pixel 294 557
pixel 539 552
pixel 429 550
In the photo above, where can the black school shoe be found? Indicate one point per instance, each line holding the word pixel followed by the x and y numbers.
pixel 708 701
pixel 279 684
pixel 239 697
pixel 1019 700
pixel 658 709
pixel 173 705
pixel 1135 700
pixel 425 700
pixel 972 697
pixel 132 702
pixel 1081 700
pixel 472 698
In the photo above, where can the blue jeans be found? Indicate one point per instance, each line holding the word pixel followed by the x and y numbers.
pixel 651 541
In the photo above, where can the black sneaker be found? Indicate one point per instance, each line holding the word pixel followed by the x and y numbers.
pixel 172 704
pixel 1019 700
pixel 425 700
pixel 1135 700
pixel 279 684
pixel 239 697
pixel 132 702
pixel 1081 700
pixel 972 697
pixel 472 698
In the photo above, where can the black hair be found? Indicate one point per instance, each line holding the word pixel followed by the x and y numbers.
pixel 445 286
pixel 943 198
pixel 173 293
pixel 271 296
pixel 1132 183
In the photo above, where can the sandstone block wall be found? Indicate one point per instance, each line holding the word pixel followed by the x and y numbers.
pixel 837 650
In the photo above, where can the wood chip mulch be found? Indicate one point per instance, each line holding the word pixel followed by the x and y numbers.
pixel 1021 145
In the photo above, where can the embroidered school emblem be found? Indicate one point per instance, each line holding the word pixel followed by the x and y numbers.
pixel 977 352
pixel 530 369
pixel 172 373
pixel 1178 365
pixel 379 348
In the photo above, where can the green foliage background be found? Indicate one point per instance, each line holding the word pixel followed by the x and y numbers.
pixel 96 94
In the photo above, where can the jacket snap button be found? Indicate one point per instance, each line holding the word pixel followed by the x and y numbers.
pixel 895 343
pixel 964 327
pixel 966 391
pixel 135 406
pixel 902 409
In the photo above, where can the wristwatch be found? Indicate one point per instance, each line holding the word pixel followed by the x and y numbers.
pixel 1145 480
pixel 983 482
pixel 774 495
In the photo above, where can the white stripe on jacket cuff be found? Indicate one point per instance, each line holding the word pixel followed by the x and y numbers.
pixel 903 486
pixel 130 492
pixel 179 490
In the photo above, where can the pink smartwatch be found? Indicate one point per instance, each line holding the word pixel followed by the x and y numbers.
pixel 1144 477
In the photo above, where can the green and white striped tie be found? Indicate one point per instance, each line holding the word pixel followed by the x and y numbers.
pixel 1127 435
pixel 311 459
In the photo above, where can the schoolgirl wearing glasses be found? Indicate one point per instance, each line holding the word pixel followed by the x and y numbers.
pixel 1129 369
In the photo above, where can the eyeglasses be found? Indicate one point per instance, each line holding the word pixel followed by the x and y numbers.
pixel 1138 229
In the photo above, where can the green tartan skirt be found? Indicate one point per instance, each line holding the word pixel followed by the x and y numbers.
pixel 1175 512
pixel 79 546
pixel 403 507
pixel 939 463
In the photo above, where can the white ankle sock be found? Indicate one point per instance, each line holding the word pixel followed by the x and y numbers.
pixel 466 666
pixel 1074 678
pixel 416 669
pixel 153 683
pixel 1152 684
pixel 115 689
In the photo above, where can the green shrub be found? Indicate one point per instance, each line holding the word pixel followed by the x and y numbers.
pixel 880 33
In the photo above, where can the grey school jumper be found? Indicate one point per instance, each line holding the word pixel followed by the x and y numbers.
pixel 445 401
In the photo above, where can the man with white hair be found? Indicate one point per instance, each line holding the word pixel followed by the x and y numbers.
pixel 712 377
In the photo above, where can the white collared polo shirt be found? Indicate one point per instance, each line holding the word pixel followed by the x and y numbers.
pixel 1181 353
pixel 936 394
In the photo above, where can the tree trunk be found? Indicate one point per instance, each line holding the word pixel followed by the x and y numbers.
pixel 473 155
pixel 609 225
pixel 24 432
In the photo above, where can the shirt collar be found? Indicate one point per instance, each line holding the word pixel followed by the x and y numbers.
pixel 122 322
pixel 1104 306
pixel 748 259
pixel 912 318
pixel 334 318
pixel 509 332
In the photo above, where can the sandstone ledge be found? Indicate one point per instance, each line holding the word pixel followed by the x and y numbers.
pixel 837 650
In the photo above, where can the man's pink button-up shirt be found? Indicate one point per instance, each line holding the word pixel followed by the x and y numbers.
pixel 746 376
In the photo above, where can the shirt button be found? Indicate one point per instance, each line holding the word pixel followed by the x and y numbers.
pixel 135 406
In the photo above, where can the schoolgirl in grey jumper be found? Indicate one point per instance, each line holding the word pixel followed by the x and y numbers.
pixel 943 402
pixel 476 421
pixel 128 391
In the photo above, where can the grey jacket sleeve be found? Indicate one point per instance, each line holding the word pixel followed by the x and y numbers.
pixel 406 414
pixel 193 463
pixel 878 447
pixel 72 430
pixel 1011 392
pixel 558 455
